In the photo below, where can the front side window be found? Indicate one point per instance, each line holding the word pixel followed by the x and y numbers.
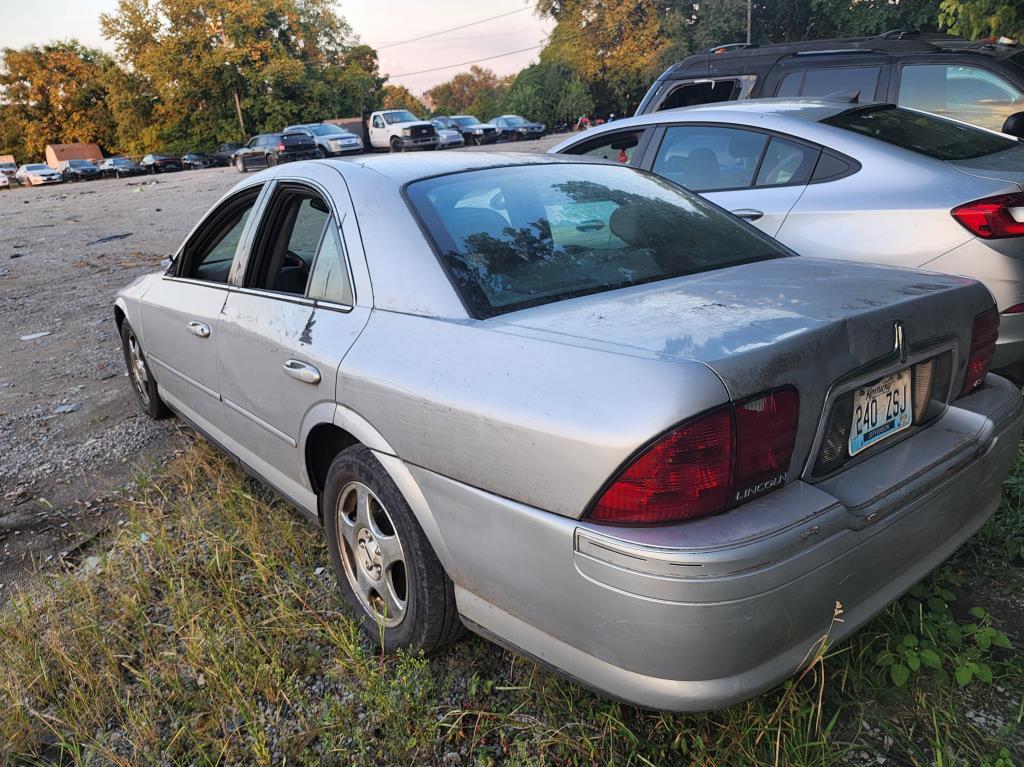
pixel 708 157
pixel 922 133
pixel 521 236
pixel 210 252
pixel 618 147
pixel 704 92
pixel 377 122
pixel 825 82
pixel 965 93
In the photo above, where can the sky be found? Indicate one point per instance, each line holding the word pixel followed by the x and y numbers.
pixel 376 22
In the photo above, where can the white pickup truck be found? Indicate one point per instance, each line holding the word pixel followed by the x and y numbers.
pixel 399 129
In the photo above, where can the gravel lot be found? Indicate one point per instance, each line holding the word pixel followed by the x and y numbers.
pixel 71 435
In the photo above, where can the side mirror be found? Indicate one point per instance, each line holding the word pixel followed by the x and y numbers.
pixel 1014 125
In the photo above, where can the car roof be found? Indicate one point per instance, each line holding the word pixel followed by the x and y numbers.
pixel 896 42
pixel 406 167
pixel 807 110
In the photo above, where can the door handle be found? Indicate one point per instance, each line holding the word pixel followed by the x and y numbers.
pixel 200 329
pixel 748 213
pixel 302 372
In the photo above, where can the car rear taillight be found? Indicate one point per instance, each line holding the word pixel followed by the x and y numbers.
pixel 280 147
pixel 984 334
pixel 708 464
pixel 993 217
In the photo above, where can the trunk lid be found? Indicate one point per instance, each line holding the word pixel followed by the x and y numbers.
pixel 800 321
pixel 1005 166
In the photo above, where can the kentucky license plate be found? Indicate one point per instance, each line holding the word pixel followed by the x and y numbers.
pixel 880 410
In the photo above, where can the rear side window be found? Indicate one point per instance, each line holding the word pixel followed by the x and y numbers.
pixel 922 133
pixel 971 94
pixel 705 92
pixel 520 236
pixel 210 252
pixel 824 82
pixel 786 162
pixel 708 157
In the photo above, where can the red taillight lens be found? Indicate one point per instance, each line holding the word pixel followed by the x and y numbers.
pixel 765 433
pixel 707 464
pixel 684 475
pixel 280 147
pixel 993 217
pixel 984 334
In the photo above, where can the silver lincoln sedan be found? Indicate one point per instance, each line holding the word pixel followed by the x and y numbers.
pixel 867 182
pixel 580 410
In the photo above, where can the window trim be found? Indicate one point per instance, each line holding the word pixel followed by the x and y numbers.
pixel 658 137
pixel 246 273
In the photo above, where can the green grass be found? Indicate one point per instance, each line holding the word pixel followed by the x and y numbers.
pixel 208 631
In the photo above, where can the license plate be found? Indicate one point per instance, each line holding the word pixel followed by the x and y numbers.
pixel 880 410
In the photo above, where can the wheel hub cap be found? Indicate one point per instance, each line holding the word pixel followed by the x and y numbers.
pixel 369 554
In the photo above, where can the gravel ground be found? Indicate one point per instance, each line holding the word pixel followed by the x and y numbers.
pixel 71 435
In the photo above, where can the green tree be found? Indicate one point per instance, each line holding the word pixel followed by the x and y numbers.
pixel 550 92
pixel 400 97
pixel 478 91
pixel 210 67
pixel 55 93
pixel 976 19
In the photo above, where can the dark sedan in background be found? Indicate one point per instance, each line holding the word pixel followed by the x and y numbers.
pixel 160 163
pixel 516 128
pixel 79 170
pixel 269 149
pixel 473 131
pixel 118 167
pixel 225 153
pixel 198 161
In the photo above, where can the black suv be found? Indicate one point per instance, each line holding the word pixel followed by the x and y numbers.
pixel 977 82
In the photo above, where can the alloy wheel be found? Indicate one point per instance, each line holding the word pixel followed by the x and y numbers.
pixel 137 369
pixel 372 554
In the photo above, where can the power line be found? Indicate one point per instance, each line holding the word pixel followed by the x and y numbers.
pixel 464 63
pixel 453 29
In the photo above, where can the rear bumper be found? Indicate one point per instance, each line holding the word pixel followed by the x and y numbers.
pixel 701 615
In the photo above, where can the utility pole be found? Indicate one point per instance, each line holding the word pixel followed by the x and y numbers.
pixel 750 7
pixel 238 110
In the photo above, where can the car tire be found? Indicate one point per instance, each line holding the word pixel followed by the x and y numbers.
pixel 271 160
pixel 515 136
pixel 240 165
pixel 321 154
pixel 143 383
pixel 362 509
pixel 396 145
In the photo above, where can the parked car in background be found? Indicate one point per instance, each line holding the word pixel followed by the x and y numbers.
pixel 582 410
pixel 472 130
pixel 447 137
pixel 332 140
pixel 37 174
pixel 9 170
pixel 5 182
pixel 399 129
pixel 198 161
pixel 225 153
pixel 516 128
pixel 875 183
pixel 160 163
pixel 977 82
pixel 79 170
pixel 119 167
pixel 269 149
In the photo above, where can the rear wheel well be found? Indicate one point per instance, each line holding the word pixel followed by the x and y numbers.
pixel 324 442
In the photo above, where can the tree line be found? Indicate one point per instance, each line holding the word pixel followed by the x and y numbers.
pixel 187 74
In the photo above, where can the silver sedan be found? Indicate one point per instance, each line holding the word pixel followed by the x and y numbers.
pixel 580 410
pixel 875 183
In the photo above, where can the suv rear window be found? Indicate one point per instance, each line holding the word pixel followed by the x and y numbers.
pixel 521 236
pixel 922 133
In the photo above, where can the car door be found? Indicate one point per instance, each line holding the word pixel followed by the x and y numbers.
pixel 378 132
pixel 286 329
pixel 181 312
pixel 756 175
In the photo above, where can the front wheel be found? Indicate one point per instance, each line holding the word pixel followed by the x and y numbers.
pixel 271 160
pixel 240 165
pixel 386 568
pixel 142 380
pixel 515 136
pixel 396 144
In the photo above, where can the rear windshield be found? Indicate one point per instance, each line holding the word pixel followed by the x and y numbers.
pixel 521 236
pixel 922 133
